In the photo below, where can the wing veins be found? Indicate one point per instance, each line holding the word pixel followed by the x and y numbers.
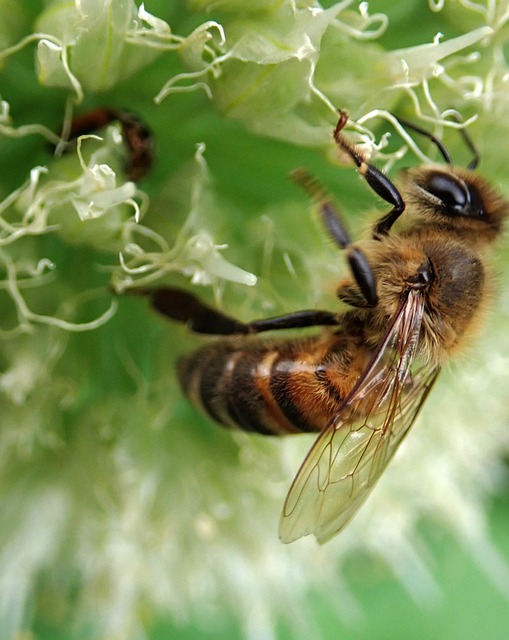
pixel 365 433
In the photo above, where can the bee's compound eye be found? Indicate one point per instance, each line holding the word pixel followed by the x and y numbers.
pixel 453 194
pixel 456 197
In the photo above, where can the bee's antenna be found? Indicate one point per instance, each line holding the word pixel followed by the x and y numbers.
pixel 471 146
pixel 440 145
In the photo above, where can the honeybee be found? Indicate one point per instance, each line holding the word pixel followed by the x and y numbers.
pixel 137 136
pixel 416 293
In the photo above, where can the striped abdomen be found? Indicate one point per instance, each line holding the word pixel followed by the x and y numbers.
pixel 273 387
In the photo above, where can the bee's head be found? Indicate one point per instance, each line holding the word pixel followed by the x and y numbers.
pixel 456 197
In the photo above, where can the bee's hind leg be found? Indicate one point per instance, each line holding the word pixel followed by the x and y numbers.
pixel 185 307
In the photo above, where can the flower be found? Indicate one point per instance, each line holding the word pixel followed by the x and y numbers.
pixel 120 505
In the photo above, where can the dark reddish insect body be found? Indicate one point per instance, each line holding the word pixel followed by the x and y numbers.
pixel 137 136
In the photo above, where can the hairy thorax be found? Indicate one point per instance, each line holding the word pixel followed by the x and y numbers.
pixel 455 296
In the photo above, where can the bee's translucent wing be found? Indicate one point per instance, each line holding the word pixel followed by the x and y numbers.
pixel 349 456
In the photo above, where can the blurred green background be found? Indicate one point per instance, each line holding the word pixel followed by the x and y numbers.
pixel 469 606
pixel 250 174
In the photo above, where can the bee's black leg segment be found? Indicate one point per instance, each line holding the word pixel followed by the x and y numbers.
pixel 375 178
pixel 363 275
pixel 185 307
pixel 359 265
pixel 298 319
pixel 334 225
pixel 330 216
pixel 383 226
pixel 386 189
